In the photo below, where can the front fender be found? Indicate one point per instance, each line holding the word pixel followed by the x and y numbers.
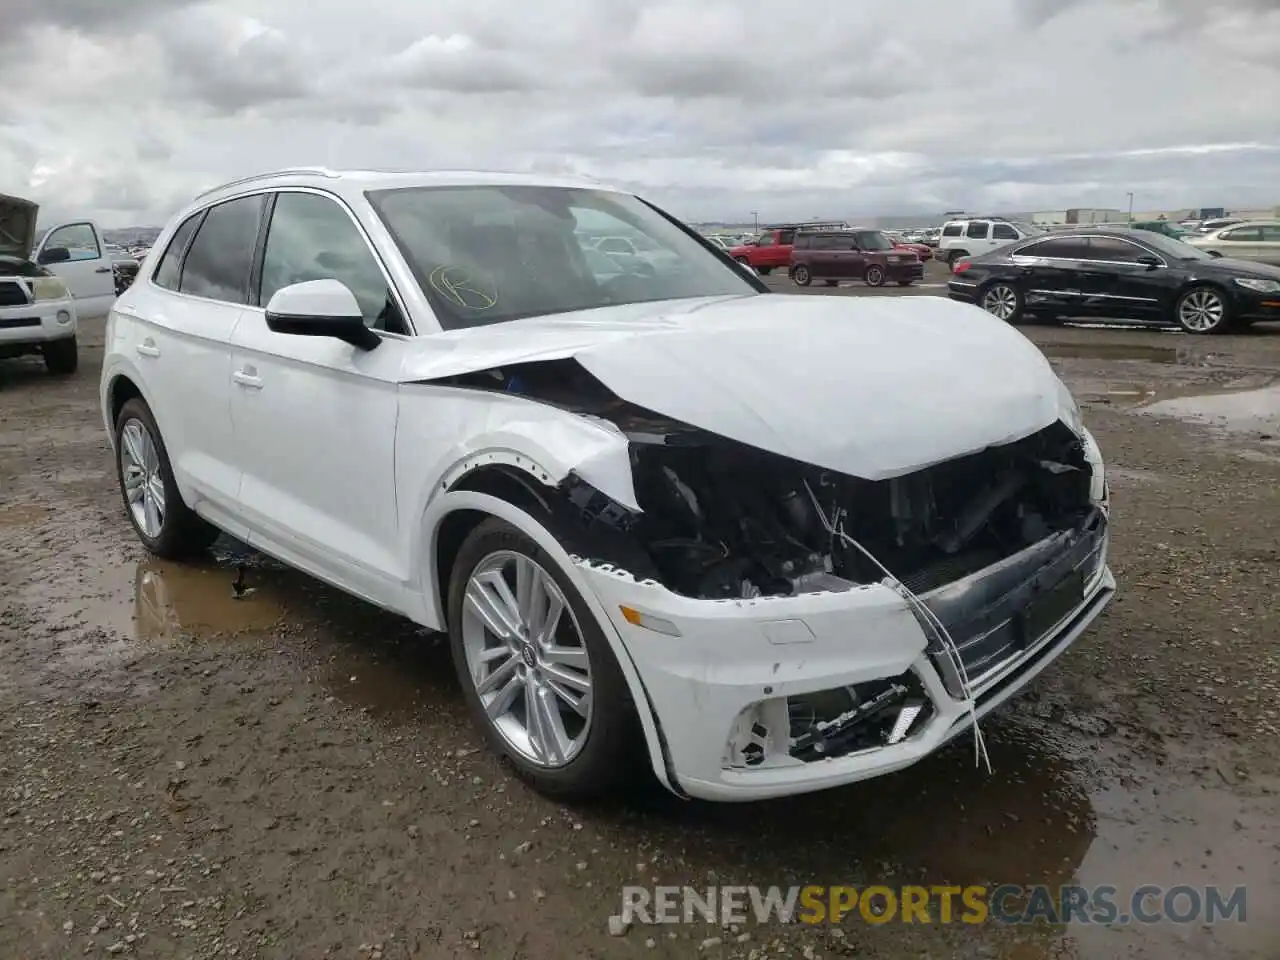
pixel 450 501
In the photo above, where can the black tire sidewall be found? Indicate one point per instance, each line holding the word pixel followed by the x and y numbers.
pixel 874 277
pixel 609 755
pixel 801 276
pixel 61 357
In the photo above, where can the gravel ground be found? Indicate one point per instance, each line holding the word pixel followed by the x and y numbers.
pixel 291 774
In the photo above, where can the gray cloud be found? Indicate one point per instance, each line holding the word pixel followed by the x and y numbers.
pixel 713 108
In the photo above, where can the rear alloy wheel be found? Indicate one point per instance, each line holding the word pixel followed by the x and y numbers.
pixel 801 276
pixel 875 276
pixel 536 670
pixel 1203 310
pixel 1003 302
pixel 165 525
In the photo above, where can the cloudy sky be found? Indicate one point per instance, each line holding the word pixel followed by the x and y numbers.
pixel 123 110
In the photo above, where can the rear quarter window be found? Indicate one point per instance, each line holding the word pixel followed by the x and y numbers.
pixel 951 230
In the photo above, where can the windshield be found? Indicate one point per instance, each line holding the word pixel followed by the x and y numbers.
pixel 1174 249
pixel 873 240
pixel 491 254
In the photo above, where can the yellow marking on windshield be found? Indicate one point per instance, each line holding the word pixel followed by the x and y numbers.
pixel 458 287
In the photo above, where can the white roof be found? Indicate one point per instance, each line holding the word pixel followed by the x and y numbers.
pixel 357 181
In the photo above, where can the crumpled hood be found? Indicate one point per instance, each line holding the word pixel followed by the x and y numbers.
pixel 873 387
pixel 17 226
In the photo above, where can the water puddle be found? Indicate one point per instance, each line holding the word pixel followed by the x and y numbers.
pixel 1102 350
pixel 1255 412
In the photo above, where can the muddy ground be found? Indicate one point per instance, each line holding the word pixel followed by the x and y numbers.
pixel 291 774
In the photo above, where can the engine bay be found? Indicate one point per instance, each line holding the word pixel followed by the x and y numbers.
pixel 725 520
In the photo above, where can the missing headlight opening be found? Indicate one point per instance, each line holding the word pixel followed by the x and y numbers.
pixel 723 520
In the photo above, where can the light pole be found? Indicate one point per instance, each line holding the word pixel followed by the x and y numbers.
pixel 755 215
pixel 1131 207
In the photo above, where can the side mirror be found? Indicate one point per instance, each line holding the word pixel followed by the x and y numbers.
pixel 54 255
pixel 1148 261
pixel 320 308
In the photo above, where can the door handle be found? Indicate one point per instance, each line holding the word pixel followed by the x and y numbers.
pixel 247 378
pixel 147 348
pixel 102 270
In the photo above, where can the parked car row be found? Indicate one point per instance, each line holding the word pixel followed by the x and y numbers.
pixel 832 252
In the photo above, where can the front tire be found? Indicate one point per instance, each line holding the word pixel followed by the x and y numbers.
pixel 801 276
pixel 61 357
pixel 1003 301
pixel 1203 310
pixel 163 522
pixel 874 276
pixel 537 672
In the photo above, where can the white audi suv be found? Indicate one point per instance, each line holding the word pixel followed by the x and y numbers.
pixel 760 544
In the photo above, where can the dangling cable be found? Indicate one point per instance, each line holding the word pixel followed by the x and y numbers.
pixel 922 609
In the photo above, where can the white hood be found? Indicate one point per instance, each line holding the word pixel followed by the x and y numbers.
pixel 873 387
pixel 17 226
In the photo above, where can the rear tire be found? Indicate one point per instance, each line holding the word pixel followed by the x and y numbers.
pixel 954 255
pixel 61 357
pixel 1003 301
pixel 801 276
pixel 165 524
pixel 764 271
pixel 613 749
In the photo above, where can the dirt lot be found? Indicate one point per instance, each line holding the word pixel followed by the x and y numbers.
pixel 290 774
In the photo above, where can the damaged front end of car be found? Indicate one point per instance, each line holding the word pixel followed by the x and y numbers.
pixel 953 580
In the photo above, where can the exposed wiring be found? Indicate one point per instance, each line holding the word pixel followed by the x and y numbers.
pixel 836 529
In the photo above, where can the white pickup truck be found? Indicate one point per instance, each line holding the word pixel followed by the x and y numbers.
pixel 48 287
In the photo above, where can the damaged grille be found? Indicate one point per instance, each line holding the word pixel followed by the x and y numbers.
pixel 1009 607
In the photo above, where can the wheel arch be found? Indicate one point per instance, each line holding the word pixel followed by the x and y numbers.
pixel 458 510
pixel 1200 283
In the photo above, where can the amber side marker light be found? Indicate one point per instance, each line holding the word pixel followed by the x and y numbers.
pixel 649 622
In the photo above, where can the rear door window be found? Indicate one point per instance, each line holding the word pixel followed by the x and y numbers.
pixel 977 230
pixel 221 256
pixel 170 266
pixel 951 230
pixel 1059 248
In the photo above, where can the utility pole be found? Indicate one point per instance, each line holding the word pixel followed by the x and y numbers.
pixel 1131 208
pixel 755 215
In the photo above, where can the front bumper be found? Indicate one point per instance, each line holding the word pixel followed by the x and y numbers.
pixel 30 325
pixel 736 659
pixel 905 270
pixel 1251 305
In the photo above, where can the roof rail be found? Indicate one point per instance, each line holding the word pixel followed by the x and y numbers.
pixel 287 172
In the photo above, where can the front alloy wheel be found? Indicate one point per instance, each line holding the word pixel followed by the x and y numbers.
pixel 875 277
pixel 527 658
pixel 1003 302
pixel 1203 310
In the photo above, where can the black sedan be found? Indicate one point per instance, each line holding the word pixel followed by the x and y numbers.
pixel 1118 274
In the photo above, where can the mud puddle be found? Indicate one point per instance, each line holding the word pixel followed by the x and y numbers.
pixel 239 599
pixel 1061 806
pixel 1253 412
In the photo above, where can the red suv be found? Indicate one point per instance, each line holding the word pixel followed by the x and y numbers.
pixel 866 255
pixel 773 247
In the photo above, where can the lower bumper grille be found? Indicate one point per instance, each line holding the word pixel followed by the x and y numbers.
pixel 1005 609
